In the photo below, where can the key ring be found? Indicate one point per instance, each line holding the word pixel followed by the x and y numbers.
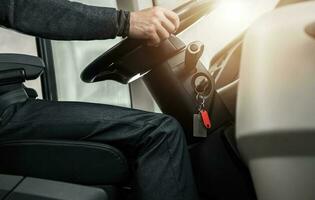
pixel 201 101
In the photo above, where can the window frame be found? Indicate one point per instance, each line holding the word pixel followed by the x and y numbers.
pixel 48 78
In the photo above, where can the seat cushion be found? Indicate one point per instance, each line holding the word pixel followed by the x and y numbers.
pixel 71 161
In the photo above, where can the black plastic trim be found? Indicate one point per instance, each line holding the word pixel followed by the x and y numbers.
pixel 48 78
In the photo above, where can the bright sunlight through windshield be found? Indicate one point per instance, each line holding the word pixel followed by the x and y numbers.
pixel 230 19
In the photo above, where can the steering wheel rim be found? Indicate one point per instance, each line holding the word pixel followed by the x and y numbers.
pixel 188 13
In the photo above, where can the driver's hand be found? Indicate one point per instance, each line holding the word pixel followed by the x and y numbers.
pixel 153 24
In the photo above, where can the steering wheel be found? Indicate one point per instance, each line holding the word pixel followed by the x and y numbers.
pixel 116 63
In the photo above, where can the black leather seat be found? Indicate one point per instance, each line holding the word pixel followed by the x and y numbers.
pixel 76 162
pixel 27 188
pixel 70 161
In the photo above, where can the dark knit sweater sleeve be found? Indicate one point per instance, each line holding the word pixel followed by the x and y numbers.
pixel 63 19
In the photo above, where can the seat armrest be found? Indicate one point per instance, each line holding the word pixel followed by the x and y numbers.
pixel 22 188
pixel 17 68
pixel 7 184
pixel 76 162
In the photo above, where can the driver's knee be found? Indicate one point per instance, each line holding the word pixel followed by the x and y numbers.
pixel 168 129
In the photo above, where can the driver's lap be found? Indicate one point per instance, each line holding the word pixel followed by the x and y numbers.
pixel 152 142
pixel 48 120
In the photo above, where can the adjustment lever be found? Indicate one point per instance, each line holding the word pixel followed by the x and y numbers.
pixel 192 55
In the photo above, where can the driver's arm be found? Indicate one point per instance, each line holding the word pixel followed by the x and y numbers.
pixel 66 20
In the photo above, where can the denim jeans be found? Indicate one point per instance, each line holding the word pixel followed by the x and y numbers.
pixel 155 142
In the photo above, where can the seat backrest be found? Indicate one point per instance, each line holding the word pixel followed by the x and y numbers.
pixel 17 68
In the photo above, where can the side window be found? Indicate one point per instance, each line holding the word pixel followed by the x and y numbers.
pixel 71 57
pixel 13 42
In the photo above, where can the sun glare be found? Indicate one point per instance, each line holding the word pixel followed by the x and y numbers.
pixel 230 19
pixel 235 11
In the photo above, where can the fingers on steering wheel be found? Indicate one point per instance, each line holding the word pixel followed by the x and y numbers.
pixel 162 32
pixel 173 17
pixel 154 39
pixel 168 25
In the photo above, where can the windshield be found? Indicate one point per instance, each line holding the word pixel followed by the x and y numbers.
pixel 229 20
